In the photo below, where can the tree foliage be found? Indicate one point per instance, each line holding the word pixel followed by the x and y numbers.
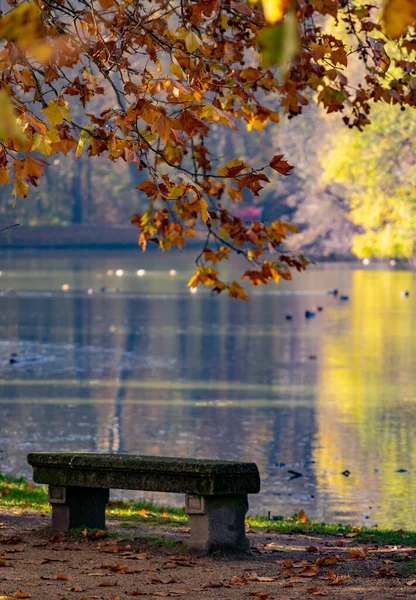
pixel 378 170
pixel 156 79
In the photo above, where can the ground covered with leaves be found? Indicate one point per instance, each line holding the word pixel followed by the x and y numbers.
pixel 150 560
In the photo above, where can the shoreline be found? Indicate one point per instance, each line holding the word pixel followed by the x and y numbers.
pixel 103 237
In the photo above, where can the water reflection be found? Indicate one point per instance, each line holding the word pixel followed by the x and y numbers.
pixel 152 369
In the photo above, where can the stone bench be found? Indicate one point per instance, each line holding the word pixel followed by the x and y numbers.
pixel 216 491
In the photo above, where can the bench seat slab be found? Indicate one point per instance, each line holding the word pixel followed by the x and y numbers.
pixel 146 473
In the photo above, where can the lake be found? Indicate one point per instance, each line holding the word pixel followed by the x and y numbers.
pixel 324 406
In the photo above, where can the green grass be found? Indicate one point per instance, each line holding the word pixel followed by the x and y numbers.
pixel 18 493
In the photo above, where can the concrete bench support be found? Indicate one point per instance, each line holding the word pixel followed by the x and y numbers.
pixel 218 523
pixel 216 491
pixel 78 507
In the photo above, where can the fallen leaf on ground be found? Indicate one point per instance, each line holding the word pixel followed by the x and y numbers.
pixel 325 561
pixel 139 556
pixel 121 569
pixel 95 535
pixel 335 579
pixel 316 592
pixel 272 547
pixel 236 580
pixel 385 572
pixel 22 594
pixel 308 572
pixel 311 549
pixel 358 553
pixel 108 584
pixel 252 576
pixel 169 565
pixel 110 549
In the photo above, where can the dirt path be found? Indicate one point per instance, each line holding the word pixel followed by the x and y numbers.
pixel 134 565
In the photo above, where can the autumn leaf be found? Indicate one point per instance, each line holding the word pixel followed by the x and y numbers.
pixel 398 15
pixel 358 553
pixel 203 205
pixel 164 125
pixel 301 517
pixel 335 579
pixel 20 188
pixel 279 165
pixel 308 572
pixel 22 25
pixel 22 594
pixel 325 561
pixel 274 10
pixel 9 124
pixel 4 175
pixel 56 112
pixel 84 135
pixel 29 166
pixel 235 290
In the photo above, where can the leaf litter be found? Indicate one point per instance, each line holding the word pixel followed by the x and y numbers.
pixel 323 568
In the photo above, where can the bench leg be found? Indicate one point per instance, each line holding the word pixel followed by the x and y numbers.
pixel 218 523
pixel 78 507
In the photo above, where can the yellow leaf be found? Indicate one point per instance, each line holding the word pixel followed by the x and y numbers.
pixel 193 282
pixel 42 143
pixel 397 16
pixel 274 10
pixel 177 70
pixel 9 124
pixel 22 25
pixel 22 594
pixel 81 143
pixel 55 112
pixel 203 205
pixel 20 188
pixel 193 42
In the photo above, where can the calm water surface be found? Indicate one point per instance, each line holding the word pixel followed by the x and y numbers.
pixel 153 369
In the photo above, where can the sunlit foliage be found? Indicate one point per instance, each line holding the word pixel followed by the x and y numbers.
pixel 378 170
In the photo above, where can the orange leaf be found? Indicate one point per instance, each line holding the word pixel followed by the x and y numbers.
pixel 279 165
pixel 164 125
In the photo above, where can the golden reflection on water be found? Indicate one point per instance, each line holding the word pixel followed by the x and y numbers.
pixel 365 403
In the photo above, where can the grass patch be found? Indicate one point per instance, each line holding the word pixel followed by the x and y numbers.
pixel 364 535
pixel 18 493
